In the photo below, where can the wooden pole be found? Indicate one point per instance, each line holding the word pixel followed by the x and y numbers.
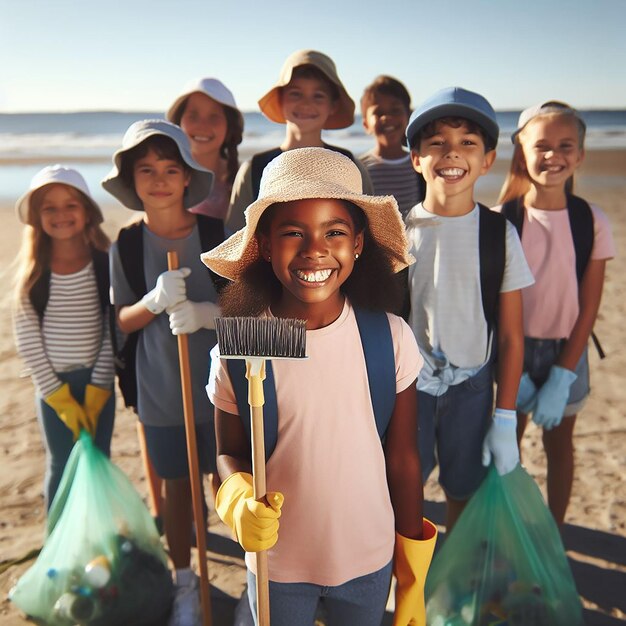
pixel 192 457
pixel 260 490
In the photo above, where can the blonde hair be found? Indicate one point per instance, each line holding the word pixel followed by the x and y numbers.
pixel 35 252
pixel 518 182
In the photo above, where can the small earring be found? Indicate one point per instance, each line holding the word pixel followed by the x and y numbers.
pixel 356 256
pixel 269 258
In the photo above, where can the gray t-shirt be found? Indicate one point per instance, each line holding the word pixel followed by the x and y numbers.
pixel 159 395
pixel 446 305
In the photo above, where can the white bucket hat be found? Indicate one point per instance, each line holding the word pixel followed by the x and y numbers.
pixel 311 173
pixel 270 103
pixel 201 179
pixel 50 175
pixel 211 87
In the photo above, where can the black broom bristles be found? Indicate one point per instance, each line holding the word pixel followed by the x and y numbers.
pixel 268 337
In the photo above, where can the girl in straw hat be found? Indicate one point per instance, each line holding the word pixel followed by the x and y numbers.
pixel 207 112
pixel 61 315
pixel 308 98
pixel 314 247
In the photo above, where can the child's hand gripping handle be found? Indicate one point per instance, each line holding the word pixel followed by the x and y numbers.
pixel 255 373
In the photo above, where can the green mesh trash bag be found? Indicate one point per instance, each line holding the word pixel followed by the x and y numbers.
pixel 102 562
pixel 504 563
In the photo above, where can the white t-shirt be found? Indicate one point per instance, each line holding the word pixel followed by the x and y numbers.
pixel 446 305
pixel 337 522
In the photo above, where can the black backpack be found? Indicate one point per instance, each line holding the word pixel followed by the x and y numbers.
pixel 40 291
pixel 130 246
pixel 581 224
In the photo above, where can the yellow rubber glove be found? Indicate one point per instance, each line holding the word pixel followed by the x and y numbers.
pixel 95 399
pixel 68 409
pixel 254 524
pixel 411 560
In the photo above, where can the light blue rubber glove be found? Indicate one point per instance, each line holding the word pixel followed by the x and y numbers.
pixel 526 394
pixel 501 442
pixel 552 397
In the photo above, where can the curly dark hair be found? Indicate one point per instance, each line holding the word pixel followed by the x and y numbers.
pixel 373 284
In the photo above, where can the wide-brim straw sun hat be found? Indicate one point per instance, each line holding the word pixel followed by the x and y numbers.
pixel 201 179
pixel 305 173
pixel 51 175
pixel 270 103
pixel 454 102
pixel 545 108
pixel 211 87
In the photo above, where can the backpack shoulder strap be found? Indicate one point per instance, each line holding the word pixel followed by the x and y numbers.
pixel 211 230
pixel 581 225
pixel 40 291
pixel 513 210
pixel 39 294
pixel 130 246
pixel 340 150
pixel 237 374
pixel 259 161
pixel 380 362
pixel 492 254
pixel 103 281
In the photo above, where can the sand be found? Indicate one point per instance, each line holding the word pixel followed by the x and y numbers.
pixel 595 534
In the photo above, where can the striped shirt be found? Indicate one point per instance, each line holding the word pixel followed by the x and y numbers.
pixel 393 177
pixel 72 335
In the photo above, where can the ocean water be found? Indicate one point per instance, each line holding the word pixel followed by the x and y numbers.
pixel 87 140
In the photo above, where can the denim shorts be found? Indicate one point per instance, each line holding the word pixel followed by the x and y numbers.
pixel 452 428
pixel 541 354
pixel 167 448
pixel 358 602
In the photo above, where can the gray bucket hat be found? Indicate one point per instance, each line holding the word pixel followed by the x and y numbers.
pixel 201 178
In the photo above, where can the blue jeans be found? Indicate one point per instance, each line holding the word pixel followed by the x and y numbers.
pixel 58 438
pixel 452 428
pixel 358 602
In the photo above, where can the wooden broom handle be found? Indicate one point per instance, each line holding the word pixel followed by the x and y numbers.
pixel 258 476
pixel 192 458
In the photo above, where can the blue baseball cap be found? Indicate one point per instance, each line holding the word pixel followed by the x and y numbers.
pixel 454 102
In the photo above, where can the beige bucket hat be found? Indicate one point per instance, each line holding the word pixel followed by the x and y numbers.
pixel 211 87
pixel 51 175
pixel 201 179
pixel 270 103
pixel 311 173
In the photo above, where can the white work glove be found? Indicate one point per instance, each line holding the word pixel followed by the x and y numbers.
pixel 552 397
pixel 187 317
pixel 168 291
pixel 501 442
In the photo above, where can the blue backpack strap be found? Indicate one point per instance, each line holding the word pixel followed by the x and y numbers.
pixel 380 362
pixel 237 374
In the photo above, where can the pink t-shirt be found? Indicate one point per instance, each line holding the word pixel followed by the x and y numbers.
pixel 337 521
pixel 551 303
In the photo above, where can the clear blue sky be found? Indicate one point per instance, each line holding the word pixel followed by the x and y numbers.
pixel 60 55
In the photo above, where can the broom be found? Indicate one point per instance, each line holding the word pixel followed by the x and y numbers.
pixel 192 458
pixel 256 339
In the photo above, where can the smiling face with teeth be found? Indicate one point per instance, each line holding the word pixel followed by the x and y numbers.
pixel 552 149
pixel 311 245
pixel 204 122
pixel 451 159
